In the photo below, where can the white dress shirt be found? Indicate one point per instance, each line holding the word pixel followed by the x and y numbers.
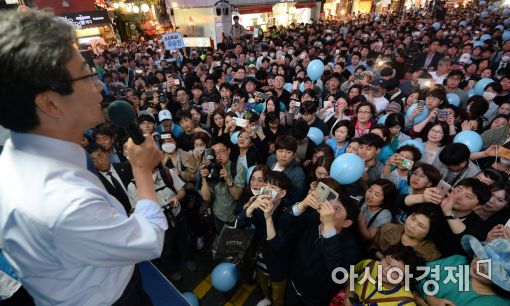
pixel 115 175
pixel 68 240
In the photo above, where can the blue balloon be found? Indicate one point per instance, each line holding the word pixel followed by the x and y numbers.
pixel 484 14
pixel 382 120
pixel 436 26
pixel 347 168
pixel 224 276
pixel 191 298
pixel 288 87
pixel 316 135
pixel 506 34
pixel 480 85
pixel 249 173
pixel 482 3
pixel 377 18
pixel 471 93
pixel 420 117
pixel 315 69
pixel 463 23
pixel 302 86
pixel 477 43
pixel 485 37
pixel 506 22
pixel 234 137
pixel 453 99
pixel 471 139
pixel 506 11
pixel 415 143
pixel 500 27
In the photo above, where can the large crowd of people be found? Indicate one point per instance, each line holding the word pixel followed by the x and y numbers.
pixel 233 122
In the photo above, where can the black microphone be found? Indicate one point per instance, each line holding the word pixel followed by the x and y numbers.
pixel 122 115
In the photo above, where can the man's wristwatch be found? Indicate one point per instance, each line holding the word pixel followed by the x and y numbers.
pixel 452 216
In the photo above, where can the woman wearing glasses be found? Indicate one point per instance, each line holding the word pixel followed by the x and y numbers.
pixel 364 119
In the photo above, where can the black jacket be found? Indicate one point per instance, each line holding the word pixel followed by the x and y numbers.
pixel 126 175
pixel 422 57
pixel 314 258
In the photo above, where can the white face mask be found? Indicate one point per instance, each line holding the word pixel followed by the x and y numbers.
pixel 255 192
pixel 168 147
pixel 199 150
pixel 252 59
pixel 272 54
pixel 505 58
pixel 291 51
pixel 489 96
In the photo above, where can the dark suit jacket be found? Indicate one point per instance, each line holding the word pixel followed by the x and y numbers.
pixel 126 175
pixel 420 60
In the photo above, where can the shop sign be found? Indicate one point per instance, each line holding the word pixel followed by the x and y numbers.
pixel 86 19
pixel 173 41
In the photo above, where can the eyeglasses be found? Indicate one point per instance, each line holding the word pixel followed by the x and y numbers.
pixel 437 132
pixel 94 77
pixel 418 175
pixel 364 112
pixel 220 152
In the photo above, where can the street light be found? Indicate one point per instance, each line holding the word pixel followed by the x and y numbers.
pixel 145 8
pixel 136 9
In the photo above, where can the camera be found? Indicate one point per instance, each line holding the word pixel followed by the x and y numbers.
pixel 212 165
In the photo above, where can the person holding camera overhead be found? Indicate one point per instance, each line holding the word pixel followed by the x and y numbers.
pixel 222 183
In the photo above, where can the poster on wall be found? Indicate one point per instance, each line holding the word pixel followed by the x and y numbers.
pixel 173 41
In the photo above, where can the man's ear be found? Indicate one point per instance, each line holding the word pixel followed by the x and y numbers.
pixel 347 223
pixel 45 103
pixel 283 193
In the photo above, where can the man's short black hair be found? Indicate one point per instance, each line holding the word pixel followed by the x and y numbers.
pixel 122 69
pixel 103 129
pixel 286 142
pixel 481 190
pixel 371 140
pixel 299 129
pixel 182 114
pixel 279 179
pixel 94 147
pixel 454 154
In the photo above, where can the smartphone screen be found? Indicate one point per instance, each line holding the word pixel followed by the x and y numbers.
pixel 177 82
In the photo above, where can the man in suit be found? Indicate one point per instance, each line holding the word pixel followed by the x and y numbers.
pixel 114 176
pixel 430 58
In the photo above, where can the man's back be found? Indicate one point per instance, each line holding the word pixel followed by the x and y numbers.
pixel 60 229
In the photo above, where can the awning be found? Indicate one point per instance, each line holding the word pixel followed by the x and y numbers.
pixel 255 8
pixel 301 5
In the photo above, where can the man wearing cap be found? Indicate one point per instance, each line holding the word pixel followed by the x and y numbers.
pixel 147 122
pixel 485 270
pixel 376 96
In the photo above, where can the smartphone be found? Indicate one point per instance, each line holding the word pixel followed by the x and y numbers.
pixel 235 101
pixel 406 163
pixel 266 191
pixel 324 193
pixel 210 105
pixel 441 113
pixel 444 188
pixel 295 85
pixel 238 80
pixel 177 82
pixel 421 104
pixel 240 122
pixel 138 71
pixel 328 104
pixel 358 77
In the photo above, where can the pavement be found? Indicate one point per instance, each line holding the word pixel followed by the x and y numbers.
pixel 199 282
